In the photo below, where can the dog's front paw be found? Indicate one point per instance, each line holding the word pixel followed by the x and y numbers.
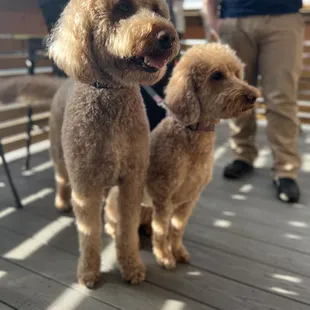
pixel 168 262
pixel 89 279
pixel 134 274
pixel 181 254
pixel 88 272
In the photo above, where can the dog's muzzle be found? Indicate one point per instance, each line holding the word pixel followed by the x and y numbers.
pixel 160 54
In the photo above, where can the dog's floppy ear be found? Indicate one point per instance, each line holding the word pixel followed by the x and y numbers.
pixel 69 43
pixel 181 95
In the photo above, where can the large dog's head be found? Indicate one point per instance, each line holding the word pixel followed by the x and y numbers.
pixel 130 40
pixel 207 85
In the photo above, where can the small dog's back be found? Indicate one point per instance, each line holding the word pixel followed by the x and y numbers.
pixel 28 89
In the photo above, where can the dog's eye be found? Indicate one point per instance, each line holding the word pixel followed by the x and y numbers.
pixel 217 76
pixel 122 10
pixel 124 7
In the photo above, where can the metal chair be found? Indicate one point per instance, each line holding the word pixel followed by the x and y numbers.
pixel 18 203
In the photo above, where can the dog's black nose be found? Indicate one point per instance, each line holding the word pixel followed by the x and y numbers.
pixel 250 98
pixel 165 39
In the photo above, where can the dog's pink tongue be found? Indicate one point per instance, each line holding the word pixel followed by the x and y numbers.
pixel 157 61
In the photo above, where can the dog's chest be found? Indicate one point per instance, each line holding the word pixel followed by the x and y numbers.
pixel 108 130
pixel 199 173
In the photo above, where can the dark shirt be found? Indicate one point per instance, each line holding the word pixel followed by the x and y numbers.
pixel 243 8
pixel 56 3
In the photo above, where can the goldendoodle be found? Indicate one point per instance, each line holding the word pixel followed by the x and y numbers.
pixel 206 86
pixel 108 47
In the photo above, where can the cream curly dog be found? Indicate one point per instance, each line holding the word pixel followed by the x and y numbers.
pixel 108 47
pixel 206 86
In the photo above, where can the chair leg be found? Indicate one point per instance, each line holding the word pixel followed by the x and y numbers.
pixel 30 65
pixel 9 177
pixel 34 44
pixel 28 139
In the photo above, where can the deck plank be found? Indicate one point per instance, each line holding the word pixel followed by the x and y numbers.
pixel 5 307
pixel 26 290
pixel 221 291
pixel 61 267
pixel 16 286
pixel 246 271
pixel 271 255
pixel 203 257
pixel 284 238
pixel 274 217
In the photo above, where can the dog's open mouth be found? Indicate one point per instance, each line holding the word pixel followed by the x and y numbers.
pixel 151 63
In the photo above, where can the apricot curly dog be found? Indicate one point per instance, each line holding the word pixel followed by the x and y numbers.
pixel 108 47
pixel 206 86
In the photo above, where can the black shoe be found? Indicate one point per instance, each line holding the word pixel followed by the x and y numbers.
pixel 237 169
pixel 287 189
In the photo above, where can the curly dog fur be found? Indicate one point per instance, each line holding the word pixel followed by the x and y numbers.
pixel 206 86
pixel 108 47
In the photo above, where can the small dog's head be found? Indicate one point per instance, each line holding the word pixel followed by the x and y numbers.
pixel 207 85
pixel 131 40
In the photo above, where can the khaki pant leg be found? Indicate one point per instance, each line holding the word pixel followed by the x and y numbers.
pixel 280 63
pixel 237 33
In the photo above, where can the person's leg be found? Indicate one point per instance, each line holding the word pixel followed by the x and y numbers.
pixel 51 11
pixel 240 35
pixel 280 63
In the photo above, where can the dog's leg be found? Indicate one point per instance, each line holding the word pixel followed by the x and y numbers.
pixel 127 238
pixel 161 239
pixel 63 188
pixel 87 210
pixel 110 212
pixel 178 224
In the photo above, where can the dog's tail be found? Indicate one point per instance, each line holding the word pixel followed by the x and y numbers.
pixel 34 90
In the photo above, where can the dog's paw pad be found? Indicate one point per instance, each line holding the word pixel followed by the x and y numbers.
pixel 135 275
pixel 181 255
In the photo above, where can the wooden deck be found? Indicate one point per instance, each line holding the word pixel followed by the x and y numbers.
pixel 249 251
